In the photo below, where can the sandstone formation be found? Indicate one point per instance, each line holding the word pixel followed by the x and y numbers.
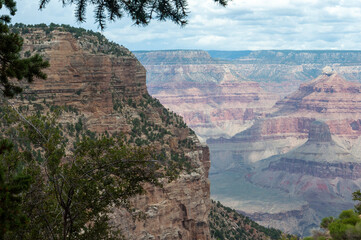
pixel 106 86
pixel 328 98
pixel 321 172
pixel 213 99
pixel 301 158
pixel 277 71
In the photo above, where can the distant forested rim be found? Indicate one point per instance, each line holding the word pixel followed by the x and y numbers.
pixel 78 31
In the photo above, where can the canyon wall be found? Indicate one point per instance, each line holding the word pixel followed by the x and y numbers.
pixel 105 85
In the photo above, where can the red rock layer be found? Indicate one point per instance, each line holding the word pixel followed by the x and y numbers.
pixel 217 109
pixel 329 98
pixel 83 76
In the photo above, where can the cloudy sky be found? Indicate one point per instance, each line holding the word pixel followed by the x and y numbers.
pixel 242 25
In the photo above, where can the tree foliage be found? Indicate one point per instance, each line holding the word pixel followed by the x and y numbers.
pixel 12 66
pixel 49 190
pixel 66 193
pixel 13 182
pixel 346 227
pixel 140 11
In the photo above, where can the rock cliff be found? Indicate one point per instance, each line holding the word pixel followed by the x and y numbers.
pixel 105 86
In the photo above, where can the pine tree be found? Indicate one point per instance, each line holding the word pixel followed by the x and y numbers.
pixel 13 182
pixel 12 66
pixel 140 11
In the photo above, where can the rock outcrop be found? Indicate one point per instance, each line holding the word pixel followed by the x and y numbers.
pixel 321 172
pixel 106 86
pixel 226 223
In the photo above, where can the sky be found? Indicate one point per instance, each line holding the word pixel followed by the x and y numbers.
pixel 242 25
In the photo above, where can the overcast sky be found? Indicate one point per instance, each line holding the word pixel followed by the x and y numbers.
pixel 242 25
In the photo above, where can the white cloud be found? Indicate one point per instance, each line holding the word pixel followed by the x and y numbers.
pixel 243 24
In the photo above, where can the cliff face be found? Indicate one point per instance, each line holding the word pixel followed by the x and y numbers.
pixel 106 84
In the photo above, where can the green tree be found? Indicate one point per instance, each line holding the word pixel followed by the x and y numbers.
pixel 14 179
pixel 346 227
pixel 13 182
pixel 66 193
pixel 12 66
pixel 356 196
pixel 140 11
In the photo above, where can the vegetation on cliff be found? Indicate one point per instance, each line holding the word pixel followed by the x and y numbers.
pixel 347 226
pixel 55 185
pixel 226 223
pixel 11 65
pixel 59 180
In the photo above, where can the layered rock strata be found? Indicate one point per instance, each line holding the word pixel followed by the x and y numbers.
pixel 218 109
pixel 277 71
pixel 214 100
pixel 106 85
pixel 321 172
pixel 329 98
pixel 302 159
